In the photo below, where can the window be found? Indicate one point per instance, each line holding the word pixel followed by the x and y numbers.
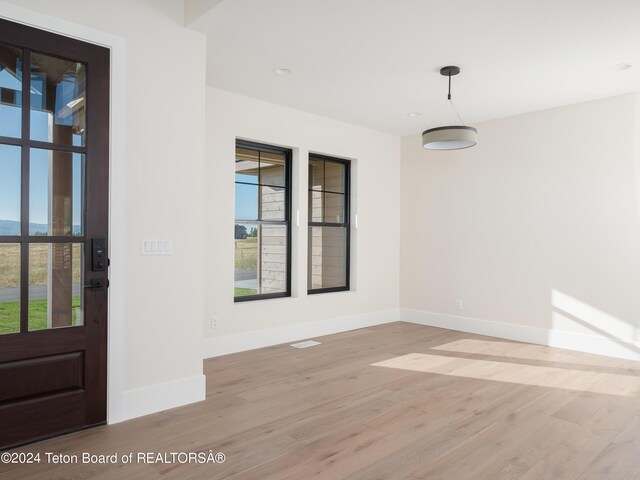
pixel 262 228
pixel 328 258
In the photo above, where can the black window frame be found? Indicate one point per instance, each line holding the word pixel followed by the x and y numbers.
pixel 288 154
pixel 346 224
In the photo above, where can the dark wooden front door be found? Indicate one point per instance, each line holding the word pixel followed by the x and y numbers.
pixel 54 187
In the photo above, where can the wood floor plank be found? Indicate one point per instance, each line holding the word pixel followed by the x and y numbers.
pixel 544 470
pixel 614 463
pixel 507 448
pixel 573 453
pixel 621 457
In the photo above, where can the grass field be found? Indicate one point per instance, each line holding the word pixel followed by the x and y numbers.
pixel 246 253
pixel 246 256
pixel 10 315
pixel 9 265
pixel 38 264
pixel 243 292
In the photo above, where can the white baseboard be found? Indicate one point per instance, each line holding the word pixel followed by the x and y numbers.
pixel 217 346
pixel 155 398
pixel 599 345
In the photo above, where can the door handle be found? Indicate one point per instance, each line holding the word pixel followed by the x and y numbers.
pixel 96 284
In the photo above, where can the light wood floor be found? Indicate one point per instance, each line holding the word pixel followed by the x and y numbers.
pixel 397 401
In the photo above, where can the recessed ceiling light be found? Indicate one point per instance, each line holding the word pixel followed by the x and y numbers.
pixel 282 71
pixel 413 114
pixel 621 66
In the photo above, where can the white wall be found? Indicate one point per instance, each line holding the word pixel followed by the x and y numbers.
pixel 537 226
pixel 157 189
pixel 375 244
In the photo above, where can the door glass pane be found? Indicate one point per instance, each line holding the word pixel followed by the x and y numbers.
pixel 273 258
pixel 272 169
pixel 9 288
pixel 55 285
pixel 10 91
pixel 58 97
pixel 327 257
pixel 246 202
pixel 10 175
pixel 246 259
pixel 272 203
pixel 56 192
pixel 247 166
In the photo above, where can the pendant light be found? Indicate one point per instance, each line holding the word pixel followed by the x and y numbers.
pixel 450 137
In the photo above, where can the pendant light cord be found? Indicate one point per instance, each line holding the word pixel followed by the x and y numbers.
pixel 435 117
pixel 457 114
pixel 450 102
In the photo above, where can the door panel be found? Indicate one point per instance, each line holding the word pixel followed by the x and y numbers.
pixel 54 170
pixel 41 376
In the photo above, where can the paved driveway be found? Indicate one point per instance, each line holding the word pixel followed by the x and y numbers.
pixel 36 292
pixel 246 274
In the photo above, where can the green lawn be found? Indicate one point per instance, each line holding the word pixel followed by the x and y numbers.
pixel 243 292
pixel 10 315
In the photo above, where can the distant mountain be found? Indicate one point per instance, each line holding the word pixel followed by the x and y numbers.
pixel 12 227
pixel 9 227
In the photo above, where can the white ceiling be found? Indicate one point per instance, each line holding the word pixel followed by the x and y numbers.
pixel 370 62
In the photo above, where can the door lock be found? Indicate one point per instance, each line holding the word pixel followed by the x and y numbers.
pixel 99 260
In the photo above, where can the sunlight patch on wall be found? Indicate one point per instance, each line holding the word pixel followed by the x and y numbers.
pixel 571 314
pixel 550 377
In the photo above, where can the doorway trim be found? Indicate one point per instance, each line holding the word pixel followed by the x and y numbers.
pixel 116 409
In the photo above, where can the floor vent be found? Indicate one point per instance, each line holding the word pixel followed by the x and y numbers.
pixel 308 343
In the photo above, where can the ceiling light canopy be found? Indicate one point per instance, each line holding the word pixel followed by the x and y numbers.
pixel 449 137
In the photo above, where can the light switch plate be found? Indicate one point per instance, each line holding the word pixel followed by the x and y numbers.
pixel 156 246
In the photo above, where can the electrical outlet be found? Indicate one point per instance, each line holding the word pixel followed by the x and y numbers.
pixel 215 321
pixel 458 304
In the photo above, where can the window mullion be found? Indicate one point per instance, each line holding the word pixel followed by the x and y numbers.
pixel 24 201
